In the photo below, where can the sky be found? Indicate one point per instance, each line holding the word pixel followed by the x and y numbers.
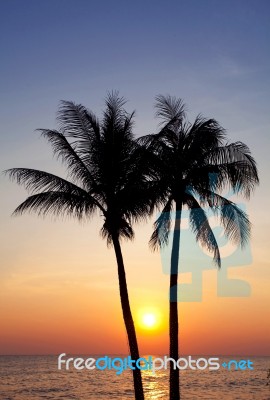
pixel 59 289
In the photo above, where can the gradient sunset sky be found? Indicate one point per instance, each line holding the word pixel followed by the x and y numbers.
pixel 59 288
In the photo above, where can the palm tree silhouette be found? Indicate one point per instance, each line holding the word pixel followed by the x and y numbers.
pixel 193 165
pixel 108 173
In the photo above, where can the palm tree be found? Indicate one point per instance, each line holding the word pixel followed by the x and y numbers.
pixel 188 157
pixel 107 174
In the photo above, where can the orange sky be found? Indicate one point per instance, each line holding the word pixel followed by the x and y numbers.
pixel 59 293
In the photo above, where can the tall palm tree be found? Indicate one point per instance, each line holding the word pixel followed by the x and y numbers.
pixel 188 157
pixel 107 174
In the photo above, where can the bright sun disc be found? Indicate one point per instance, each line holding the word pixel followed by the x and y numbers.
pixel 149 320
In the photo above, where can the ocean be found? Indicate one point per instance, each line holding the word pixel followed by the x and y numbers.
pixel 37 377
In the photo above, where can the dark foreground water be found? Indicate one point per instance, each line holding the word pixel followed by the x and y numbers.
pixel 37 377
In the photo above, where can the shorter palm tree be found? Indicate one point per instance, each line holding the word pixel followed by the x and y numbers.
pixel 108 173
pixel 188 156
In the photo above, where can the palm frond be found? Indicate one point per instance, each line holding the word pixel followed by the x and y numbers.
pixel 34 180
pixel 73 120
pixel 201 227
pixel 40 181
pixel 237 167
pixel 235 221
pixel 202 136
pixel 77 169
pixel 78 123
pixel 115 117
pixel 162 225
pixel 58 204
pixel 170 109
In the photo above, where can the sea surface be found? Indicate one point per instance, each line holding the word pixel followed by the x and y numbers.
pixel 37 377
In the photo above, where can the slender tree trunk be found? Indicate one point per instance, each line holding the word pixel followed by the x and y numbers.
pixel 173 318
pixel 129 324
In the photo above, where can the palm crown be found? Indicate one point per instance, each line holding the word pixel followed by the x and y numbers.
pixel 194 164
pixel 107 170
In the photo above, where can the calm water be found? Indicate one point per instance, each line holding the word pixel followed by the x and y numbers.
pixel 37 377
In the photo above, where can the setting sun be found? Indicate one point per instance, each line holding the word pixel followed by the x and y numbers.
pixel 149 320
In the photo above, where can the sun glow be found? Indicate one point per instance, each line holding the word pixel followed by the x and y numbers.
pixel 148 319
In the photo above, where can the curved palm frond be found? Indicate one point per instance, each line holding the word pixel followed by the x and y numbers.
pixel 79 124
pixel 201 137
pixel 115 118
pixel 170 109
pixel 235 221
pixel 76 121
pixel 58 204
pixel 201 227
pixel 35 180
pixel 162 225
pixel 62 148
pixel 40 181
pixel 236 167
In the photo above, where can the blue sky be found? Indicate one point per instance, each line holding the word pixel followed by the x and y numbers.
pixel 213 54
pixel 208 52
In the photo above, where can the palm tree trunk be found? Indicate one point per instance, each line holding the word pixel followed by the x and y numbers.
pixel 173 318
pixel 129 324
